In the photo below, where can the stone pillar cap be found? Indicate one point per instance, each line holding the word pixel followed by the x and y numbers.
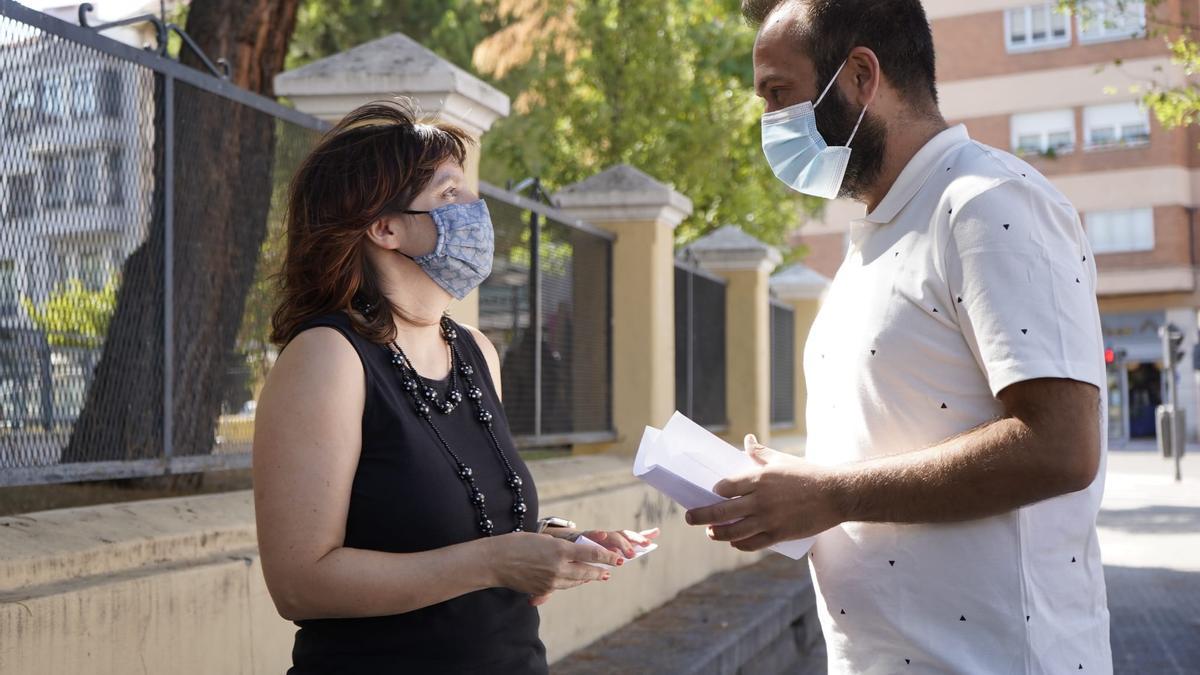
pixel 799 282
pixel 729 248
pixel 390 66
pixel 623 193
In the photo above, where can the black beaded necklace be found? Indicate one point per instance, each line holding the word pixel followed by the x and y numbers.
pixel 426 399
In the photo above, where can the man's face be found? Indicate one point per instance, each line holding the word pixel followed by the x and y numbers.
pixel 785 76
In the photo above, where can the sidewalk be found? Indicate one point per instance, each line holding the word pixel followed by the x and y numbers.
pixel 1150 539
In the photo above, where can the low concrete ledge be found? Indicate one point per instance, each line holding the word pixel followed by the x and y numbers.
pixel 53 547
pixel 175 585
pixel 757 620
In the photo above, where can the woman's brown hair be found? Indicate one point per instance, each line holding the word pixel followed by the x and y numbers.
pixel 375 161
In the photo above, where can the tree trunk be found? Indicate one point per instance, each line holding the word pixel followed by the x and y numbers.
pixel 223 161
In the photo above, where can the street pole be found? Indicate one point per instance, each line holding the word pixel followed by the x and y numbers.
pixel 1171 337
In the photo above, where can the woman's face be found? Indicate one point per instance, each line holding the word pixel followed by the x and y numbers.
pixel 418 233
pixel 447 187
pixel 400 237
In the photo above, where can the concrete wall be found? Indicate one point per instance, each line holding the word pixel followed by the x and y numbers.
pixel 175 585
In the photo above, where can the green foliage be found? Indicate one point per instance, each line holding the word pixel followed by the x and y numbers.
pixel 450 28
pixel 74 315
pixel 1173 106
pixel 663 86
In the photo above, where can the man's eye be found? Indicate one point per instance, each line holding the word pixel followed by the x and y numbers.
pixel 775 95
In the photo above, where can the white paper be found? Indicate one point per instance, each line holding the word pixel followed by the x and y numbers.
pixel 638 551
pixel 684 461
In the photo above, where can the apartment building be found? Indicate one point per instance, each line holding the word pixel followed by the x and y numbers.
pixel 76 139
pixel 1061 92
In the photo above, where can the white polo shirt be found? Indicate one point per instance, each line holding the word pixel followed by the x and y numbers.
pixel 972 274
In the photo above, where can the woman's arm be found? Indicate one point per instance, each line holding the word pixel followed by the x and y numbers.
pixel 306 449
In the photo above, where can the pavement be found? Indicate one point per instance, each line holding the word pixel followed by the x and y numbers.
pixel 1149 528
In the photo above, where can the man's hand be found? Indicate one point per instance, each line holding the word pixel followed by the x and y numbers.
pixel 787 498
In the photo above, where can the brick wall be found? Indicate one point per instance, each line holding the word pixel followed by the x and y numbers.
pixel 973 45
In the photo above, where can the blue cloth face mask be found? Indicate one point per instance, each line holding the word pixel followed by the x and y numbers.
pixel 462 258
pixel 799 155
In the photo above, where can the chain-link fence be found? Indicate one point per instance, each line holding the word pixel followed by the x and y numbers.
pixel 700 346
pixel 783 364
pixel 548 309
pixel 141 203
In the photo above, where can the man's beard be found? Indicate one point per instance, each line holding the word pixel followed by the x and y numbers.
pixel 835 121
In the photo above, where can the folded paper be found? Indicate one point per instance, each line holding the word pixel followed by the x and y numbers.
pixel 684 461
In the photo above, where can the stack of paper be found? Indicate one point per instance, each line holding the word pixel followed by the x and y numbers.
pixel 684 461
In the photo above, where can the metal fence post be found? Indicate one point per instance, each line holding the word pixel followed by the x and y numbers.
pixel 168 270
pixel 535 314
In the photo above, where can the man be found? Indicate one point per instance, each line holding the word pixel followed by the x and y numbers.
pixel 956 434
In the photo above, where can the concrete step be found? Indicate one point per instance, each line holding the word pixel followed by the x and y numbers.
pixel 758 620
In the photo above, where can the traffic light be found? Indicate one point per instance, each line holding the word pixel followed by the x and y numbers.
pixel 1172 345
pixel 1176 339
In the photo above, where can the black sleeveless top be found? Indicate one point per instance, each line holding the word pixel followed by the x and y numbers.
pixel 407 497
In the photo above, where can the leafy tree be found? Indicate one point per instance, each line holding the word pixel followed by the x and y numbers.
pixel 1173 105
pixel 223 169
pixel 75 315
pixel 449 27
pixel 664 86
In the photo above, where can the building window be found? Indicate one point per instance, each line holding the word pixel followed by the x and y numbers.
pixel 109 83
pixel 22 109
pixel 1046 133
pixel 85 177
pixel 8 288
pixel 1122 231
pixel 114 179
pixel 54 180
pixel 1117 124
pixel 83 94
pixel 94 268
pixel 54 97
pixel 22 195
pixel 1104 20
pixel 1037 26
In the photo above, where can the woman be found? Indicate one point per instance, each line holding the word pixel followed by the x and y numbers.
pixel 396 521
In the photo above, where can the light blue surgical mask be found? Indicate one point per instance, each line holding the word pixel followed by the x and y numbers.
pixel 799 155
pixel 462 258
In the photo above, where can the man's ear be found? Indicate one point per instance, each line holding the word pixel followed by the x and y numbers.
pixel 868 75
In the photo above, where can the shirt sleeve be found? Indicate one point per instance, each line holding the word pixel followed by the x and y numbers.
pixel 1020 270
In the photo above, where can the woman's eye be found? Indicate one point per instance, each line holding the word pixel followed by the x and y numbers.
pixel 450 194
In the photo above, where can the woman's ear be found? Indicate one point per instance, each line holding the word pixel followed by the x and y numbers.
pixel 386 232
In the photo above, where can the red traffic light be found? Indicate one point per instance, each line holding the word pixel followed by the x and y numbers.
pixel 1110 356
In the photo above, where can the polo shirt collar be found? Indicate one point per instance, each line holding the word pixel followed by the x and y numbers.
pixel 916 172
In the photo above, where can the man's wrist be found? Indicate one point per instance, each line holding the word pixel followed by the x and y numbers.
pixel 838 487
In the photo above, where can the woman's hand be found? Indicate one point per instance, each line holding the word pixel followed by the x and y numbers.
pixel 622 541
pixel 539 564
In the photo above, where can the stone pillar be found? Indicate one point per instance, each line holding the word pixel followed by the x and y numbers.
pixel 802 288
pixel 746 264
pixel 643 213
pixel 397 65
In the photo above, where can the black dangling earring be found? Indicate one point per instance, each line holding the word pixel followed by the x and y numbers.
pixel 362 305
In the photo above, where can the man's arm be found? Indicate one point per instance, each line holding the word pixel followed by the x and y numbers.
pixel 1046 445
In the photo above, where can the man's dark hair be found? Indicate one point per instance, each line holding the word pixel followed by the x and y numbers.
pixel 896 30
